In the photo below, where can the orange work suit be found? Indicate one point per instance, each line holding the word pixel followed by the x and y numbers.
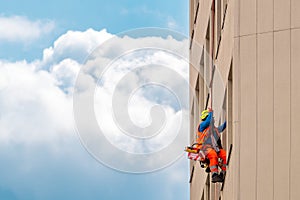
pixel 207 141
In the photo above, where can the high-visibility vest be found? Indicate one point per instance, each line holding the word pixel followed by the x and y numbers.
pixel 204 136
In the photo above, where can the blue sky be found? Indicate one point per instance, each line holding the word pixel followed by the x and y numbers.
pixel 115 16
pixel 42 47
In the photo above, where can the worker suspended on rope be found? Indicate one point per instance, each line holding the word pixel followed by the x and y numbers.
pixel 208 141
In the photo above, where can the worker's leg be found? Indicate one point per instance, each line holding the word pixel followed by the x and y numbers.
pixel 222 155
pixel 213 160
pixel 213 165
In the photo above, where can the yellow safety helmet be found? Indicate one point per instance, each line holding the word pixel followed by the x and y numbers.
pixel 204 114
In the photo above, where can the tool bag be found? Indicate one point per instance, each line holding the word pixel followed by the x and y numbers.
pixel 195 153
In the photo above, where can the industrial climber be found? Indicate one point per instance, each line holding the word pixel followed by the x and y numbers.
pixel 209 142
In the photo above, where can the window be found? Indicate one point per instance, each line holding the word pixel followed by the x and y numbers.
pixel 223 118
pixel 207 61
pixel 192 133
pixel 227 136
pixel 202 197
pixel 201 82
pixel 224 11
pixel 229 108
pixel 192 174
pixel 207 188
pixel 218 25
pixel 196 14
pixel 191 40
pixel 197 110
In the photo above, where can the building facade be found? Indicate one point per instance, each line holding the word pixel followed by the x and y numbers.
pixel 255 86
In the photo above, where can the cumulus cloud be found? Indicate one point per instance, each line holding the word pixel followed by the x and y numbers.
pixel 142 92
pixel 36 118
pixel 33 107
pixel 65 72
pixel 37 135
pixel 121 66
pixel 38 100
pixel 21 29
pixel 75 45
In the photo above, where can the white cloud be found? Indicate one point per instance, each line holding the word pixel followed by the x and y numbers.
pixel 136 53
pixel 44 93
pixel 65 73
pixel 75 45
pixel 33 107
pixel 37 136
pixel 142 99
pixel 21 29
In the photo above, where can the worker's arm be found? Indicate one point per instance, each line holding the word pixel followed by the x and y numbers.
pixel 205 123
pixel 222 127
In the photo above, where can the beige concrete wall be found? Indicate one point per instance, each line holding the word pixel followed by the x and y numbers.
pixel 265 115
pixel 271 176
pixel 282 14
pixel 225 54
pixel 295 13
pixel 248 118
pixel 202 20
pixel 265 14
pixel 282 117
pixel 262 41
pixel 247 17
pixel 295 110
pixel 234 187
pixel 197 185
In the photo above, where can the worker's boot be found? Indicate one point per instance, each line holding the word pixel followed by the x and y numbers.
pixel 222 174
pixel 216 178
pixel 207 170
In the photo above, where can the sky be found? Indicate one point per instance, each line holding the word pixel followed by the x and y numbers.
pixel 51 55
pixel 61 16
